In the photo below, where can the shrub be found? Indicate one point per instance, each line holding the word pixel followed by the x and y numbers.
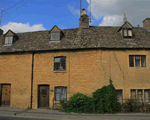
pixel 78 103
pixel 105 99
pixel 131 105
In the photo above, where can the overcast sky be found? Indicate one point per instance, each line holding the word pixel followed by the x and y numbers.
pixel 35 15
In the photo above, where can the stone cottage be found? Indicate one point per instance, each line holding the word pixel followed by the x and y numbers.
pixel 39 68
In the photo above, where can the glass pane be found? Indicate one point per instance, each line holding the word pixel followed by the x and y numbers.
pixel 129 32
pixel 143 61
pixel 125 32
pixel 44 92
pixel 133 94
pixel 55 36
pixel 56 66
pixel 58 90
pixel 6 40
pixel 10 40
pixel 57 60
pixel 131 60
pixel 64 93
pixel 57 96
pixel 137 61
pixel 146 95
pixel 119 95
pixel 63 63
pixel 140 95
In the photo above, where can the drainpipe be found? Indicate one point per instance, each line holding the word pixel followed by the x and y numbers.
pixel 32 80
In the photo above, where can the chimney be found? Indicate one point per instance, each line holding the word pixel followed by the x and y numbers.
pixel 84 20
pixel 1 32
pixel 146 23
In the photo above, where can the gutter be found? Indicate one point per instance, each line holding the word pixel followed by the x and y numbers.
pixel 32 79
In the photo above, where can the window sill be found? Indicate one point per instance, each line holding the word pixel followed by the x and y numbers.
pixel 138 67
pixel 7 44
pixel 54 41
pixel 59 71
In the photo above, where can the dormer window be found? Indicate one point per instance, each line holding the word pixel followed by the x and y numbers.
pixel 8 40
pixel 55 36
pixel 127 33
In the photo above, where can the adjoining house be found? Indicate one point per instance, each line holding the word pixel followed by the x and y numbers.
pixel 37 69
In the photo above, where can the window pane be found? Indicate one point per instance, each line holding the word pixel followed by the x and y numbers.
pixel 10 40
pixel 143 61
pixel 6 40
pixel 119 95
pixel 140 95
pixel 64 93
pixel 137 61
pixel 146 95
pixel 129 32
pixel 133 94
pixel 60 93
pixel 55 36
pixel 63 63
pixel 57 60
pixel 56 66
pixel 125 33
pixel 131 60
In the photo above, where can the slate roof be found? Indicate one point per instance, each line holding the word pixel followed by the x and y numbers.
pixel 94 37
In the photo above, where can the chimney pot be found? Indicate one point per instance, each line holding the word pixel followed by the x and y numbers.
pixel 83 12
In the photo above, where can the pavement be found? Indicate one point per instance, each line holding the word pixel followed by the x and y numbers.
pixel 56 115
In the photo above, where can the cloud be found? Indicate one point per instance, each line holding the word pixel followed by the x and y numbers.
pixel 72 9
pixel 111 21
pixel 136 11
pixel 20 27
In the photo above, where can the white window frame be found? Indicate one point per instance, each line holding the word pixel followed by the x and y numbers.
pixel 8 40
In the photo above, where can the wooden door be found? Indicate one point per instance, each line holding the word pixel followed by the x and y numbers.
pixel 6 91
pixel 43 99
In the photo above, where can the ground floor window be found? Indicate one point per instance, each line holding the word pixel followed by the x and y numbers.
pixel 60 93
pixel 141 94
pixel 119 96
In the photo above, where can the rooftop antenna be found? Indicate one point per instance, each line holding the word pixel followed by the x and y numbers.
pixel 2 10
pixel 80 7
pixel 90 11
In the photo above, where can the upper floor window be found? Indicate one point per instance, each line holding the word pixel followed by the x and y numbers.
pixel 55 36
pixel 137 60
pixel 127 33
pixel 59 63
pixel 60 93
pixel 8 40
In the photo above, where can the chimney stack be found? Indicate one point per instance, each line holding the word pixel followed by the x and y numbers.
pixel 146 23
pixel 84 20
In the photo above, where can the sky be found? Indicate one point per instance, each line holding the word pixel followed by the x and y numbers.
pixel 37 15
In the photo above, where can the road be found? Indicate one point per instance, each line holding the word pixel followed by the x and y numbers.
pixel 19 118
pixel 89 117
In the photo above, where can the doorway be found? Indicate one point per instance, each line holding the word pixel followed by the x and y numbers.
pixel 5 94
pixel 43 96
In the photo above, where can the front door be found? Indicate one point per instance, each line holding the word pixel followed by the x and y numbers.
pixel 43 96
pixel 5 99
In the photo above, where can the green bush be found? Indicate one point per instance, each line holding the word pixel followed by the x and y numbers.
pixel 131 105
pixel 104 100
pixel 80 103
